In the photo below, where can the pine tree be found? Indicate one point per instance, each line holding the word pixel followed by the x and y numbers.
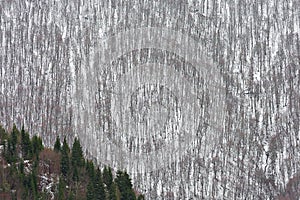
pixel 57 145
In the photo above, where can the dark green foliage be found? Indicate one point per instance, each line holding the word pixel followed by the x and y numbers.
pixel 61 189
pixel 99 186
pixel 79 178
pixel 125 186
pixel 141 197
pixel 30 186
pixel 71 196
pixel 10 149
pixel 112 192
pixel 75 176
pixel 37 146
pixel 26 145
pixel 57 145
pixel 90 169
pixel 3 135
pixel 14 136
pixel 109 183
pixel 90 191
pixel 77 155
pixel 77 159
pixel 65 162
pixel 107 176
pixel 10 152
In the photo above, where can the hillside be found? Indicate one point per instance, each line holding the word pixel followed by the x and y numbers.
pixel 31 171
pixel 195 99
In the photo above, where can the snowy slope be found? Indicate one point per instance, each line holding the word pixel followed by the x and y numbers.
pixel 51 83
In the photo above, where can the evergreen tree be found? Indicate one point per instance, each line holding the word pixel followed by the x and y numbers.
pixel 125 186
pixel 90 191
pixel 108 181
pixel 37 146
pixel 99 186
pixel 14 138
pixel 61 189
pixel 90 169
pixel 3 135
pixel 14 135
pixel 26 144
pixel 112 192
pixel 141 197
pixel 77 159
pixel 64 163
pixel 9 151
pixel 77 154
pixel 75 176
pixel 107 176
pixel 57 145
pixel 71 196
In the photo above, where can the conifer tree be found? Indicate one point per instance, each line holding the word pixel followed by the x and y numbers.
pixel 37 145
pixel 90 191
pixel 26 144
pixel 99 186
pixel 64 163
pixel 57 145
pixel 107 176
pixel 77 154
pixel 125 186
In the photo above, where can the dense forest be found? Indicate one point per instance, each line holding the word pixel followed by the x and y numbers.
pixel 80 68
pixel 31 171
